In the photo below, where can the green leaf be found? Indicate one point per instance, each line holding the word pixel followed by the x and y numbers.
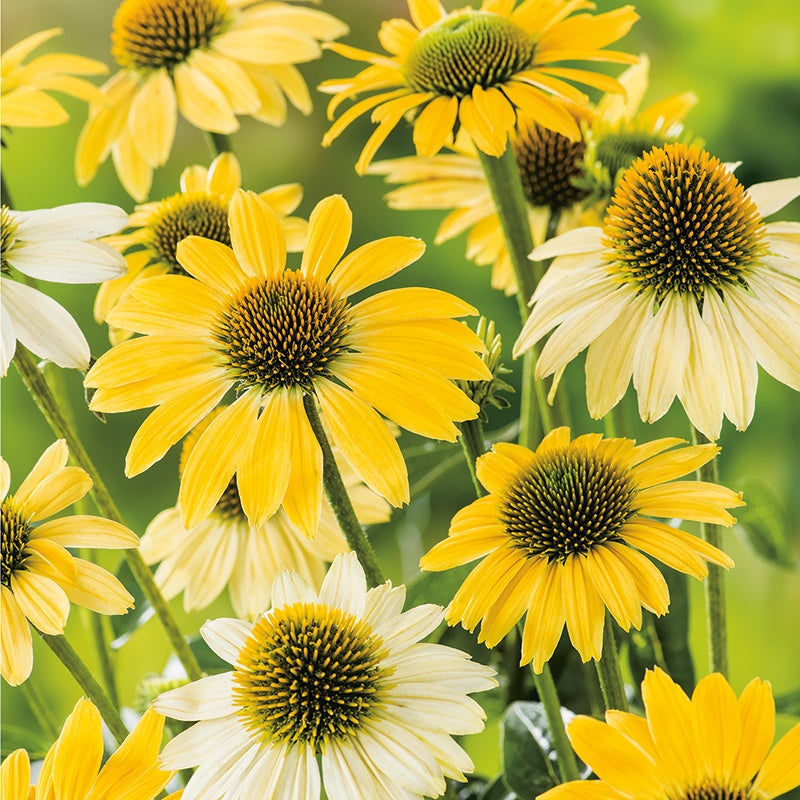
pixel 788 703
pixel 436 587
pixel 208 660
pixel 529 759
pixel 15 737
pixel 764 523
pixel 123 625
pixel 498 790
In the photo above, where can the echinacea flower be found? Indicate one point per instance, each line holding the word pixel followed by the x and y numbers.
pixel 710 747
pixel 199 209
pixel 685 288
pixel 557 173
pixel 40 577
pixel 71 769
pixel 208 59
pixel 226 550
pixel 284 338
pixel 24 87
pixel 57 245
pixel 336 682
pixel 478 69
pixel 560 533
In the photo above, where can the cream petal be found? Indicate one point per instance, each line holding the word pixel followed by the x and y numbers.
pixel 207 698
pixel 774 195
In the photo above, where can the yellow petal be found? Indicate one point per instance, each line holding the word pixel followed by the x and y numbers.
pixel 51 461
pixel 41 600
pixel 256 235
pixel 202 102
pixel 16 646
pixel 781 770
pixel 433 128
pixel 757 714
pixel 615 585
pixel 57 491
pixel 79 751
pixel 213 263
pixel 96 589
pixel 329 228
pixel 15 776
pixel 583 609
pixel 690 500
pixel 545 618
pixel 153 118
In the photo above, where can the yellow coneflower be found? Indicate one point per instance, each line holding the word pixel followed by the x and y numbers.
pixel 226 550
pixel 282 338
pixel 710 747
pixel 40 578
pixel 208 59
pixel 199 209
pixel 478 69
pixel 685 288
pixel 557 173
pixel 371 714
pixel 71 768
pixel 24 87
pixel 560 535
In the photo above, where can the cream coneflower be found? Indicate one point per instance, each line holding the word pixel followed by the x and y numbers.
pixel 557 173
pixel 199 209
pixel 478 69
pixel 710 747
pixel 56 245
pixel 208 59
pixel 24 101
pixel 336 682
pixel 40 578
pixel 281 338
pixel 685 288
pixel 560 535
pixel 71 768
pixel 226 550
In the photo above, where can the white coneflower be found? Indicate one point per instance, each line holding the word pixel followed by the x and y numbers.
pixel 330 688
pixel 57 245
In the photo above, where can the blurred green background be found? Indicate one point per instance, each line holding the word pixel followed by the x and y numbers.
pixel 743 61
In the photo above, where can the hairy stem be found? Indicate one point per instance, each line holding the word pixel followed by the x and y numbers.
pixel 609 673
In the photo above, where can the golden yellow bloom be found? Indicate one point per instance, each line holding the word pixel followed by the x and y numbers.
pixel 709 747
pixel 24 87
pixel 208 59
pixel 560 535
pixel 226 550
pixel 685 288
pixel 557 173
pixel 199 209
pixel 71 769
pixel 478 69
pixel 39 576
pixel 281 339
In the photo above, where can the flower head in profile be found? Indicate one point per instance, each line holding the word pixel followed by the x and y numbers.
pixel 199 209
pixel 478 69
pixel 24 86
pixel 71 768
pixel 40 577
pixel 210 60
pixel 711 746
pixel 685 288
pixel 336 682
pixel 284 341
pixel 563 532
pixel 226 550
pixel 566 184
pixel 57 245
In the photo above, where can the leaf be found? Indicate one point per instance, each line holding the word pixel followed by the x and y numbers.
pixel 764 523
pixel 436 587
pixel 208 660
pixel 529 759
pixel 498 790
pixel 123 625
pixel 788 702
pixel 15 737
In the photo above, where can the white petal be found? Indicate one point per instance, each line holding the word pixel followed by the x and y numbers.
pixel 8 338
pixel 69 262
pixel 204 740
pixel 208 698
pixel 578 240
pixel 345 585
pixel 76 222
pixel 264 774
pixel 289 587
pixel 226 637
pixel 774 195
pixel 409 627
pixel 44 327
pixel 225 771
pixel 383 603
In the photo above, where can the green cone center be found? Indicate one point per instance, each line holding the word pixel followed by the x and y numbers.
pixel 15 535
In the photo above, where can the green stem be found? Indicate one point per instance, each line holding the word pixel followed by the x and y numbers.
pixel 72 661
pixel 336 493
pixel 474 446
pixel 219 143
pixel 104 655
pixel 546 687
pixel 608 671
pixel 51 409
pixel 714 585
pixel 5 195
pixel 38 705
